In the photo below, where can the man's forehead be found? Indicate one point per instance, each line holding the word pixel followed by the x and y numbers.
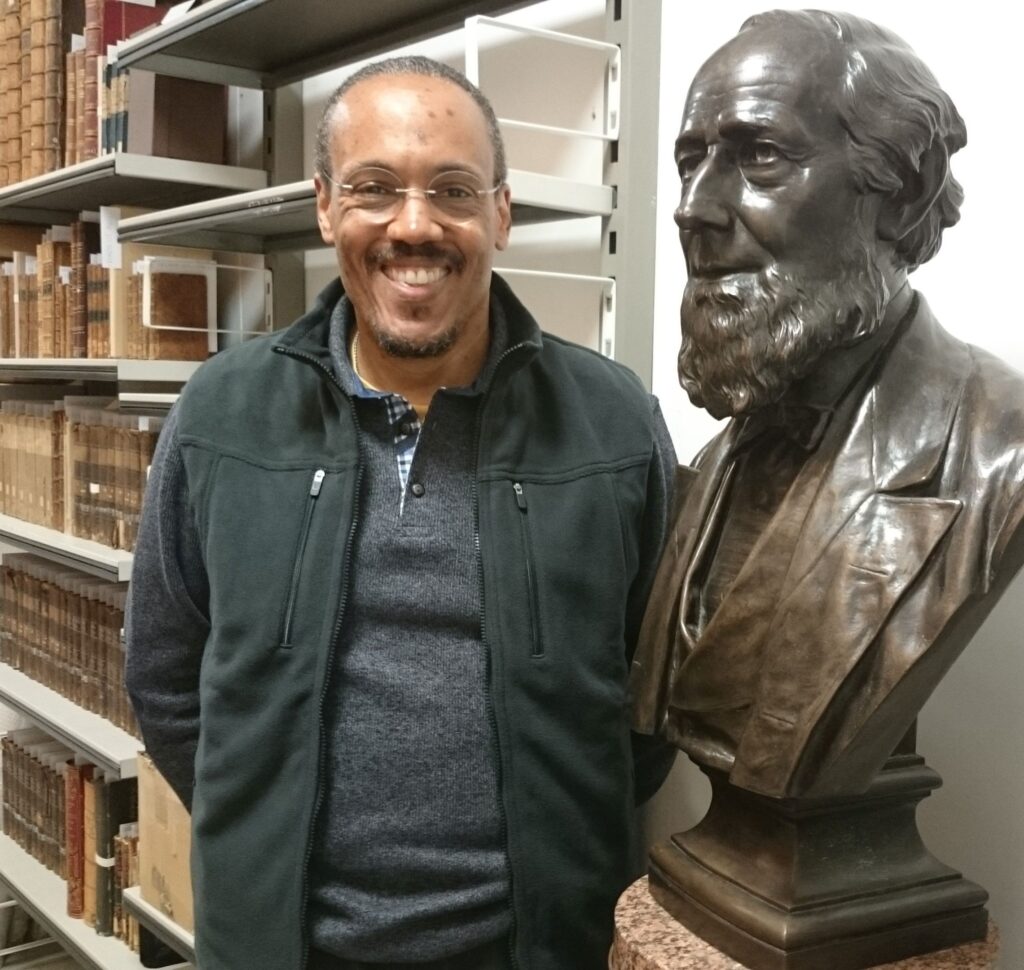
pixel 385 91
pixel 385 109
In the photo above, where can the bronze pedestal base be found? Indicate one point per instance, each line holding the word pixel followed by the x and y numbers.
pixel 803 884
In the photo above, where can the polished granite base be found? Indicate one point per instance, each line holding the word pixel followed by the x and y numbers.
pixel 648 938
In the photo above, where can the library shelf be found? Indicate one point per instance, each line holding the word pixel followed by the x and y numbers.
pixel 121 179
pixel 263 44
pixel 162 927
pixel 97 369
pixel 84 554
pixel 43 894
pixel 86 733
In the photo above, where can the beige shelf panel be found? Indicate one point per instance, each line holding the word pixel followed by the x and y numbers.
pixel 263 43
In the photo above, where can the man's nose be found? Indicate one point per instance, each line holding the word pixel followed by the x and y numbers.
pixel 704 200
pixel 415 220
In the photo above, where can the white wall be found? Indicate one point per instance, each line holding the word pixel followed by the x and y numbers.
pixel 970 730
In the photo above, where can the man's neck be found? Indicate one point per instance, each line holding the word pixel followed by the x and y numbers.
pixel 417 379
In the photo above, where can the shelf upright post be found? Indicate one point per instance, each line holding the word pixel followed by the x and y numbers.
pixel 631 166
pixel 282 157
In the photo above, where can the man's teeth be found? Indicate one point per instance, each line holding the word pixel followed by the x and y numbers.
pixel 416 277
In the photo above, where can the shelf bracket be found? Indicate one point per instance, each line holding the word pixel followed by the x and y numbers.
pixel 612 79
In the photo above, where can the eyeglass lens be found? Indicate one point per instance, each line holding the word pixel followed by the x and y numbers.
pixel 380 193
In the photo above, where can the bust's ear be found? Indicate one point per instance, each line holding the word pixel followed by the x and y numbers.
pixel 903 210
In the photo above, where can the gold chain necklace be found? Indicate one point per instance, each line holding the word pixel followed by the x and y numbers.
pixel 355 364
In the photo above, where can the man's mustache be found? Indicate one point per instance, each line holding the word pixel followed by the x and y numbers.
pixel 428 251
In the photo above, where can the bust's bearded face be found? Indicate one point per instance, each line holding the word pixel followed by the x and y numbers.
pixel 780 245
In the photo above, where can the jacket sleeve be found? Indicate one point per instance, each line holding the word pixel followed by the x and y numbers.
pixel 652 756
pixel 167 618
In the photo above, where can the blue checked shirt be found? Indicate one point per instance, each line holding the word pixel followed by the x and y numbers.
pixel 405 428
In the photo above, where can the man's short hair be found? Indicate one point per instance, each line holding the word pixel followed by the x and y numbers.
pixel 396 67
pixel 893 110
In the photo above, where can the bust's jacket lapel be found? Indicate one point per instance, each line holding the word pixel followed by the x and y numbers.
pixel 662 647
pixel 868 534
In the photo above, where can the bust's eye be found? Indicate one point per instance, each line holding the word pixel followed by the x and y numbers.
pixel 760 154
pixel 689 161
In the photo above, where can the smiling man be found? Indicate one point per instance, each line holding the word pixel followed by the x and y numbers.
pixel 389 579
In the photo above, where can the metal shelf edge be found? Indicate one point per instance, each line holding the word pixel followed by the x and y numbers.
pixel 84 554
pixel 165 929
pixel 116 752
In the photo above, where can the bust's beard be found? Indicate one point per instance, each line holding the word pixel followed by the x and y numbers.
pixel 747 338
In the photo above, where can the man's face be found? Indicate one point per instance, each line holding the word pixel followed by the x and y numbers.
pixel 418 280
pixel 779 244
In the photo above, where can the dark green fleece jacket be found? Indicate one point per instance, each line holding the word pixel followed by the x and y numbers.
pixel 570 512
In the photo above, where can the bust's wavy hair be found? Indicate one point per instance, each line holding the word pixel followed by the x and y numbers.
pixel 894 112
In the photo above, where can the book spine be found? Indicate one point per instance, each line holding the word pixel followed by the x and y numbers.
pixel 89 850
pixel 79 295
pixel 45 273
pixel 74 785
pixel 12 107
pixel 93 52
pixel 70 109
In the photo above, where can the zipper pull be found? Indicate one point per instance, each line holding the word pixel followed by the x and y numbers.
pixel 318 481
pixel 520 496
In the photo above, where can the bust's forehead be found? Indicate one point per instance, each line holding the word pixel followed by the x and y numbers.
pixel 782 67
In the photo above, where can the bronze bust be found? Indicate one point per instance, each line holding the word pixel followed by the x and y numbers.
pixel 838 544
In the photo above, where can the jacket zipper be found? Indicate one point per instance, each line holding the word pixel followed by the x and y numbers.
pixel 489 696
pixel 489 655
pixel 336 633
pixel 293 591
pixel 536 643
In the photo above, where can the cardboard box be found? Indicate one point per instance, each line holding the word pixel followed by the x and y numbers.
pixel 164 841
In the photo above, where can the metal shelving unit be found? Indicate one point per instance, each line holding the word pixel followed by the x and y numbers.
pixel 121 179
pixel 263 44
pixel 284 217
pixel 101 742
pixel 43 895
pixel 166 930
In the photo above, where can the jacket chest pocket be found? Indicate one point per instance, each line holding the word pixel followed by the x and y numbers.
pixel 273 541
pixel 287 624
pixel 559 558
pixel 532 598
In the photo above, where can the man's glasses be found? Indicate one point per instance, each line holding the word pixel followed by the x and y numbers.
pixel 380 194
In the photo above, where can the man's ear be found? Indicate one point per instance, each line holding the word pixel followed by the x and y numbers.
pixel 903 210
pixel 323 207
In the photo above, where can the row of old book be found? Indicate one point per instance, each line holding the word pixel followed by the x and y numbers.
pixel 63 628
pixel 77 823
pixel 55 302
pixel 77 465
pixel 63 100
